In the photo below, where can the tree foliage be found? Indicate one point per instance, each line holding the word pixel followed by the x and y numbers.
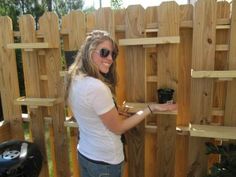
pixel 15 8
pixel 116 4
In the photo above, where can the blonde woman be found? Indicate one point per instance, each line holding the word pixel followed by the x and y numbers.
pixel 90 90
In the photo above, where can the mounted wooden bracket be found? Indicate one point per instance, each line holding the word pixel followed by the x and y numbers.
pixel 209 131
pixel 29 46
pixel 150 41
pixel 36 102
pixel 214 74
pixel 135 107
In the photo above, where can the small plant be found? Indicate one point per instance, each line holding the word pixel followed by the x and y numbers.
pixel 227 165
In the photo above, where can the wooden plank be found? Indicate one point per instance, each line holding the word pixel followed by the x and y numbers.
pixel 203 56
pixel 222 47
pixel 39 45
pixel 230 111
pixel 90 21
pixel 150 93
pixel 153 40
pixel 37 101
pixel 32 87
pixel 5 131
pixel 104 20
pixel 167 71
pixel 120 61
pixel 213 74
pixel 208 131
pixel 135 86
pixel 49 27
pixel 119 16
pixel 74 20
pixel 9 86
pixel 184 85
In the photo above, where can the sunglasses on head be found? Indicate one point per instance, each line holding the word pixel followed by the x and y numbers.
pixel 105 53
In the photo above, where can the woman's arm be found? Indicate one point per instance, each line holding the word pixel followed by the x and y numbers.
pixel 118 125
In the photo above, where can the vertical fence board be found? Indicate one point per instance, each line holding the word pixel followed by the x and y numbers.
pixel 219 94
pixel 222 37
pixel 135 87
pixel 203 55
pixel 32 86
pixel 184 84
pixel 104 20
pixel 90 21
pixel 230 110
pixel 167 71
pixel 9 86
pixel 75 21
pixel 150 92
pixel 119 16
pixel 5 131
pixel 120 89
pixel 49 27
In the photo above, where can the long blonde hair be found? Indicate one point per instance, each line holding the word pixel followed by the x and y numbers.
pixel 83 63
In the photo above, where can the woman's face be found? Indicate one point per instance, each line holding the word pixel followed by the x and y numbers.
pixel 102 56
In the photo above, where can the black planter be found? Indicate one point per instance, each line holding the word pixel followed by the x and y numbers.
pixel 165 95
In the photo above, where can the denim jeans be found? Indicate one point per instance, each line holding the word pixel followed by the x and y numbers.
pixel 91 169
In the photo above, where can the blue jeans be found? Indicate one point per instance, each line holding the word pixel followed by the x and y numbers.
pixel 93 169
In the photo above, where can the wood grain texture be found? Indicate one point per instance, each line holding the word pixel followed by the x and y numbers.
pixel 222 37
pixel 135 87
pixel 203 56
pixel 5 131
pixel 32 86
pixel 49 27
pixel 104 20
pixel 119 16
pixel 150 92
pixel 76 21
pixel 230 110
pixel 184 85
pixel 9 84
pixel 167 72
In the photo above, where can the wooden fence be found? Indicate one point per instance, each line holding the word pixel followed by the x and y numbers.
pixel 191 49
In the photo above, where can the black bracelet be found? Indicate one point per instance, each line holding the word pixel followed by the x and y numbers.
pixel 149 109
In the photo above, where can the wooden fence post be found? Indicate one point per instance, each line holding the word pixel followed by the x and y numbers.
pixel 167 72
pixel 184 85
pixel 49 28
pixel 32 86
pixel 73 39
pixel 203 55
pixel 9 86
pixel 135 86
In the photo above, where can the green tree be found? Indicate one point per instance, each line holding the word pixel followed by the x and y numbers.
pixel 116 4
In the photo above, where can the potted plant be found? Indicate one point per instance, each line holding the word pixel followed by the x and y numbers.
pixel 227 165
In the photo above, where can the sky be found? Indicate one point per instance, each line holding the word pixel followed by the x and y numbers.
pixel 144 3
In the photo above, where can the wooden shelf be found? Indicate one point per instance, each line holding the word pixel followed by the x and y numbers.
pixel 213 74
pixel 37 45
pixel 150 41
pixel 35 102
pixel 135 107
pixel 210 131
pixel 151 78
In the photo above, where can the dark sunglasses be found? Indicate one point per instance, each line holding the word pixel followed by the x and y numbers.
pixel 105 53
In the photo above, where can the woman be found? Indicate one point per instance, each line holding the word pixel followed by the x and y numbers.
pixel 90 90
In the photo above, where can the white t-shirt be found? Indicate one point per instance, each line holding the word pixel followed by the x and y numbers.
pixel 89 98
